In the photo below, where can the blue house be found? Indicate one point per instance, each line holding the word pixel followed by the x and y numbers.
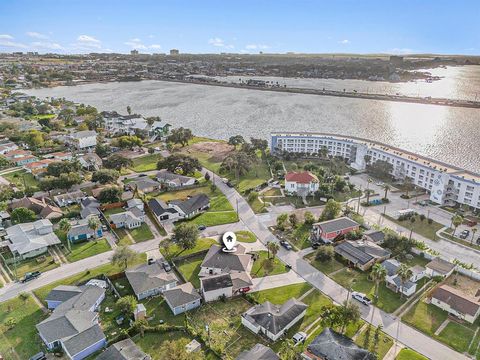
pixel 82 232
pixel 182 298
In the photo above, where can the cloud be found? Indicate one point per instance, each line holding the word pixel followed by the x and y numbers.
pixel 400 51
pixel 36 35
pixel 257 47
pixel 6 36
pixel 217 42
pixel 345 42
pixel 87 41
pixel 47 45
pixel 137 44
pixel 4 42
pixel 155 46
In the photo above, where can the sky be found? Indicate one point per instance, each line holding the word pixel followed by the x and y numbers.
pixel 242 26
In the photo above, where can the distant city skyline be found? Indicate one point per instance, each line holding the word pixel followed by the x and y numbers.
pixel 344 26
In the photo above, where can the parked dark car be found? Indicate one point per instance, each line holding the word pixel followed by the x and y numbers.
pixel 166 266
pixel 464 234
pixel 150 261
pixel 229 184
pixel 286 245
pixel 201 227
pixel 30 276
pixel 38 356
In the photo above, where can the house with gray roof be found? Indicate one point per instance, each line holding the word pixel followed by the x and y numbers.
pixel 376 236
pixel 394 282
pixel 258 352
pixel 182 298
pixel 331 345
pixel 362 253
pixel 174 181
pixel 439 267
pixel 28 240
pixel 150 280
pixel 217 261
pixel 179 209
pixel 330 230
pixel 81 231
pixel 130 219
pixel 61 294
pixel 144 184
pixel 272 320
pixel 216 287
pixel 73 325
pixel 84 139
pixel 69 198
pixel 123 350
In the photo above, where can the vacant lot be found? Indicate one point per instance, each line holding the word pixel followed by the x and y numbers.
pixel 86 249
pixel 175 250
pixel 142 233
pixel 22 180
pixel 384 343
pixel 258 268
pixel 146 163
pixel 23 335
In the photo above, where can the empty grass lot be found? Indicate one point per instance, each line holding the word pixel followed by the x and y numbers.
pixel 420 227
pixel 174 250
pixel 21 179
pixel 142 233
pixel 245 236
pixel 258 269
pixel 281 294
pixel 86 249
pixel 425 317
pixel 23 337
pixel 146 163
pixel 41 263
pixel 327 267
pixel 384 344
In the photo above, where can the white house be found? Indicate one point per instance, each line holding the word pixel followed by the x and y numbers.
pixel 463 305
pixel 394 282
pixel 272 320
pixel 182 298
pixel 83 139
pixel 149 280
pixel 301 183
pixel 216 287
pixel 130 219
pixel 439 267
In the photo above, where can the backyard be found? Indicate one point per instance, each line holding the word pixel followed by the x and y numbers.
pixel 423 228
pixel 190 268
pixel 22 180
pixel 40 263
pixel 142 233
pixel 384 343
pixel 23 336
pixel 174 250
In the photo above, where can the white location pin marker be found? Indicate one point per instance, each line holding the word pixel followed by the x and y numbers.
pixel 229 240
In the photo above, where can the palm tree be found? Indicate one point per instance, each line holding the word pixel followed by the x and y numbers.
pixel 94 224
pixel 457 220
pixel 274 249
pixel 474 231
pixel 378 274
pixel 129 110
pixel 405 274
pixel 65 226
pixel 387 188
pixel 407 183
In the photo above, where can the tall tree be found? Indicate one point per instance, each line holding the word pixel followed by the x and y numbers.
pixel 122 256
pixel 22 215
pixel 186 235
pixel 117 162
pixel 457 220
pixel 180 136
pixel 64 225
pixel 236 140
pixel 126 305
pixel 287 350
pixel 331 211
pixel 179 163
pixel 94 224
pixel 378 274
pixel 129 110
pixel 405 274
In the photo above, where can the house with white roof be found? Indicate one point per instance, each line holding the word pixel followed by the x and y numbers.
pixel 31 239
pixel 83 139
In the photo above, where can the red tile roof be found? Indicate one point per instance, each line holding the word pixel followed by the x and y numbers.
pixel 304 177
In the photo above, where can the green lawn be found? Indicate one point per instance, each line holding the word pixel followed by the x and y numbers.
pixel 425 317
pixel 23 336
pixel 408 354
pixel 113 211
pixel 258 269
pixel 315 301
pixel 300 237
pixel 210 218
pixel 457 336
pixel 174 250
pixel 107 269
pixel 40 263
pixel 22 179
pixel 327 267
pixel 123 237
pixel 388 300
pixel 245 236
pixel 281 294
pixel 142 233
pixel 257 206
pixel 86 249
pixel 384 344
pixel 420 227
pixel 158 310
pixel 272 192
pixel 190 269
pixel 146 163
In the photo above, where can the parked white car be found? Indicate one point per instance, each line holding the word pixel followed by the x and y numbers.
pixel 361 298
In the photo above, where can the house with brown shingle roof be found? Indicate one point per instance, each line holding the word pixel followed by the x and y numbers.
pixel 457 303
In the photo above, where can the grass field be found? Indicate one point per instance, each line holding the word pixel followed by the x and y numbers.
pixel 146 163
pixel 142 233
pixel 21 179
pixel 23 337
pixel 190 269
pixel 211 218
pixel 258 270
pixel 425 317
pixel 327 267
pixel 245 236
pixel 174 250
pixel 408 354
pixel 86 249
pixel 281 294
pixel 420 227
pixel 35 264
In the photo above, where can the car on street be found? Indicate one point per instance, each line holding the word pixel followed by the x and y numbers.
pixel 299 337
pixel 361 298
pixel 230 185
pixel 464 234
pixel 150 261
pixel 379 183
pixel 166 266
pixel 30 276
pixel 286 245
pixel 201 227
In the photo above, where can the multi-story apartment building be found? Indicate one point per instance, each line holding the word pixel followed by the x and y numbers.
pixel 446 184
pixel 117 124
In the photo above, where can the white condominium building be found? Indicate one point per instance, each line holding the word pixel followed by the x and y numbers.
pixel 446 184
